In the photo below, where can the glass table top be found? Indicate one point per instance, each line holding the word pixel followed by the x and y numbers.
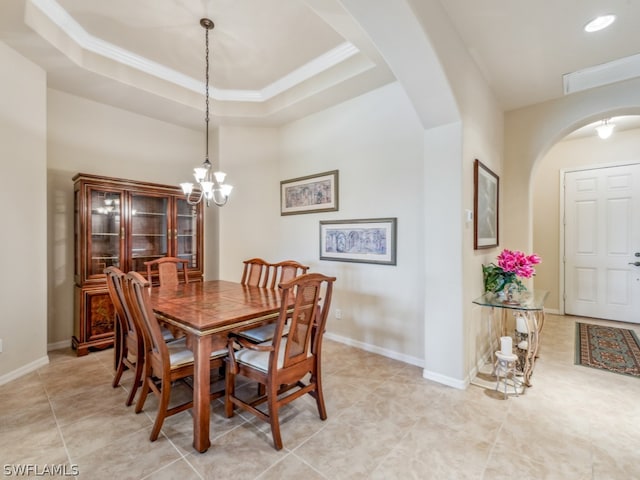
pixel 526 300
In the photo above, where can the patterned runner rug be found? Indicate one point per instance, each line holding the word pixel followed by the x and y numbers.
pixel 608 348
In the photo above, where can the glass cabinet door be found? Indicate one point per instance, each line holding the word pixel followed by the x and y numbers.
pixel 149 230
pixel 105 236
pixel 187 232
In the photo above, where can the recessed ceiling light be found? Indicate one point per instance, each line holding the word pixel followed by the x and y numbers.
pixel 599 23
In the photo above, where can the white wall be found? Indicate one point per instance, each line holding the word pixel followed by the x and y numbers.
pixel 621 147
pixel 375 142
pixel 249 223
pixel 89 137
pixel 23 287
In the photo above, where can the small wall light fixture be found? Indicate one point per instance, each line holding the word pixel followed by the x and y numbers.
pixel 605 129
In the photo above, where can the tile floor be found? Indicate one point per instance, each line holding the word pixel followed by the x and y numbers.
pixel 385 422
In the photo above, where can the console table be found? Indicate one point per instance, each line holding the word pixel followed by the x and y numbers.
pixel 521 318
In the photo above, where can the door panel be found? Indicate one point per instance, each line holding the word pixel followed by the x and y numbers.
pixel 602 236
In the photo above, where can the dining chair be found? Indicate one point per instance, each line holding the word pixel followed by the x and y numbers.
pixel 282 364
pixel 256 272
pixel 282 272
pixel 286 271
pixel 129 348
pixel 164 363
pixel 167 270
pixel 129 341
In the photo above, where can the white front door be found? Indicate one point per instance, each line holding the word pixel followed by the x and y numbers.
pixel 602 243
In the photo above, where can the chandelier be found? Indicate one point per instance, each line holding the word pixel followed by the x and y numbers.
pixel 211 184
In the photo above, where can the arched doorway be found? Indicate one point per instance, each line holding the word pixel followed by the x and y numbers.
pixel 583 149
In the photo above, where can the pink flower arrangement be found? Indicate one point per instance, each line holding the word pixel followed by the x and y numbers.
pixel 518 263
pixel 511 265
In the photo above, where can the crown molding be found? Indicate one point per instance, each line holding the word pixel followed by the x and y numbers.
pixel 83 39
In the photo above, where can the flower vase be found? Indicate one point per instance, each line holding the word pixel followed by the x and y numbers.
pixel 509 292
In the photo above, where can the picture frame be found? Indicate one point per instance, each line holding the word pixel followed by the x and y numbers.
pixel 310 194
pixel 370 240
pixel 486 185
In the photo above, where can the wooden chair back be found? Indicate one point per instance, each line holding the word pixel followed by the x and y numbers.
pixel 128 340
pixel 167 270
pixel 256 272
pixel 155 348
pixel 284 366
pixel 286 271
pixel 306 321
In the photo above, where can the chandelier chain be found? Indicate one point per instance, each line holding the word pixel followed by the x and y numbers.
pixel 206 83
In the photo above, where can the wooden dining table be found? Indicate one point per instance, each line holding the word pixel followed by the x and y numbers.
pixel 207 312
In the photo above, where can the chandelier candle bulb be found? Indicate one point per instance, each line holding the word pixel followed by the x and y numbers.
pixel 506 345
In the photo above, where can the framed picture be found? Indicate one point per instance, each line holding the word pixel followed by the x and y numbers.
pixel 485 207
pixel 364 241
pixel 310 194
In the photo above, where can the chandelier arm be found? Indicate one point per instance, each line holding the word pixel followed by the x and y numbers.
pixel 221 203
pixel 187 197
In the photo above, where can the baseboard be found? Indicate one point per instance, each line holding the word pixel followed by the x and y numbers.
pixel 418 362
pixel 553 311
pixel 444 380
pixel 28 368
pixel 58 345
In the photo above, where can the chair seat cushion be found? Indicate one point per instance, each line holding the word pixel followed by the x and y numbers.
pixel 262 333
pixel 260 360
pixel 166 334
pixel 180 355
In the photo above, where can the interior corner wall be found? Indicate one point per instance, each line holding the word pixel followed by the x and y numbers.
pixel 23 288
pixel 580 153
pixel 249 223
pixel 91 137
pixel 477 134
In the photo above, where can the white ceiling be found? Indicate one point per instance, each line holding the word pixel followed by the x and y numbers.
pixel 275 60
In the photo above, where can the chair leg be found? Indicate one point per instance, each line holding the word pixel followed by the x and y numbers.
pixel 136 381
pixel 143 394
pixel 120 366
pixel 322 410
pixel 229 392
pixel 119 372
pixel 272 402
pixel 163 406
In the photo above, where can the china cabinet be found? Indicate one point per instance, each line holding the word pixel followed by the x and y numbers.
pixel 124 223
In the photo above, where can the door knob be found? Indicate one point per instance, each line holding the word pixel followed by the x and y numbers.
pixel 637 264
pixel 637 254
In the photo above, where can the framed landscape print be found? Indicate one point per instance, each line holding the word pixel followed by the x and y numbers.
pixel 485 207
pixel 310 194
pixel 364 241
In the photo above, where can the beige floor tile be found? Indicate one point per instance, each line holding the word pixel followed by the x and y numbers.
pixel 178 470
pixel 291 468
pixel 243 453
pixel 72 407
pixel 100 430
pixel 130 457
